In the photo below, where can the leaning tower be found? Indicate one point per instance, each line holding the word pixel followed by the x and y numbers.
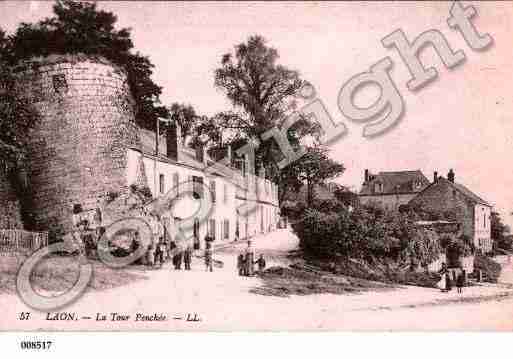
pixel 77 151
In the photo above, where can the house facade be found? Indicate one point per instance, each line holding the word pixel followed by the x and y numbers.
pixel 243 204
pixel 469 209
pixel 389 190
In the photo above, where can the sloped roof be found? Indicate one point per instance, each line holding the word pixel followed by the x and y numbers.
pixel 468 193
pixel 396 182
pixel 186 156
pixel 460 188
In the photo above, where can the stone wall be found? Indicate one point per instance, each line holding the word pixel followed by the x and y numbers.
pixel 77 152
pixel 10 210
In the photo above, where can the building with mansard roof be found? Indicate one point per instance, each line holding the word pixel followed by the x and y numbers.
pixel 391 189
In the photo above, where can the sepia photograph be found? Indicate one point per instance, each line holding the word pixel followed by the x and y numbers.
pixel 255 167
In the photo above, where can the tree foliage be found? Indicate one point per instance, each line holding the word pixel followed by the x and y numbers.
pixel 186 116
pixel 262 93
pixel 79 27
pixel 313 168
pixel 366 234
pixel 16 114
pixel 255 83
pixel 500 232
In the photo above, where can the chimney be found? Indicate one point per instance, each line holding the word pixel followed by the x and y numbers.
pixel 435 177
pixel 205 155
pixel 249 167
pixel 366 176
pixel 201 153
pixel 173 138
pixel 229 155
pixel 450 175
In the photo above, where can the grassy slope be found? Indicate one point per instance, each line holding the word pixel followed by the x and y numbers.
pixel 60 273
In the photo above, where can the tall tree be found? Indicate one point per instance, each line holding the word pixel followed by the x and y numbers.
pixel 255 83
pixel 79 27
pixel 262 94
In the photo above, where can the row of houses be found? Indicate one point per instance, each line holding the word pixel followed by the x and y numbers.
pixel 238 211
pixel 390 190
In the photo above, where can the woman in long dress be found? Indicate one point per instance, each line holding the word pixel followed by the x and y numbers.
pixel 442 284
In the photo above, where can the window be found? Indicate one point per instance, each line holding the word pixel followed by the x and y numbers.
pixel 162 186
pixel 484 220
pixel 212 228
pixel 59 83
pixel 176 181
pixel 197 187
pixel 378 187
pixel 226 229
pixel 261 219
pixel 225 193
pixel 213 190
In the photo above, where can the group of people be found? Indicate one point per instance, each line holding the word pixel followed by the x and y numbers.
pixel 163 249
pixel 246 262
pixel 446 282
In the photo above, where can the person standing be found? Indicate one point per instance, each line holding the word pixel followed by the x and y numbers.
pixel 240 264
pixel 460 280
pixel 150 255
pixel 161 250
pixel 448 281
pixel 442 284
pixel 249 259
pixel 187 257
pixel 208 257
pixel 177 258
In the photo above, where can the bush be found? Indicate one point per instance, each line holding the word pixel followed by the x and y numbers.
pixel 490 268
pixel 144 191
pixel 365 234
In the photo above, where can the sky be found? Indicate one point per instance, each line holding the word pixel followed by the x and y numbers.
pixel 462 120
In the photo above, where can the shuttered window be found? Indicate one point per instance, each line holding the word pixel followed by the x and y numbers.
pixel 176 181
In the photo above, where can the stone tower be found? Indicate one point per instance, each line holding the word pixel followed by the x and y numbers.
pixel 78 149
pixel 10 211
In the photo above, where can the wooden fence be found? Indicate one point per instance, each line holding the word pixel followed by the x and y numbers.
pixel 14 240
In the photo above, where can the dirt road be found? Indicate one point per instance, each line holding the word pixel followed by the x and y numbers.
pixel 221 301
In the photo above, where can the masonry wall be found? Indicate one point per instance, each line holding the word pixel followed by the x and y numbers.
pixel 10 210
pixel 77 151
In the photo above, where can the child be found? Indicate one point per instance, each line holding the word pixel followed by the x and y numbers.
pixel 460 281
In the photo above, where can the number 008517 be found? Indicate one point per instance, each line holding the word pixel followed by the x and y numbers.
pixel 36 345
